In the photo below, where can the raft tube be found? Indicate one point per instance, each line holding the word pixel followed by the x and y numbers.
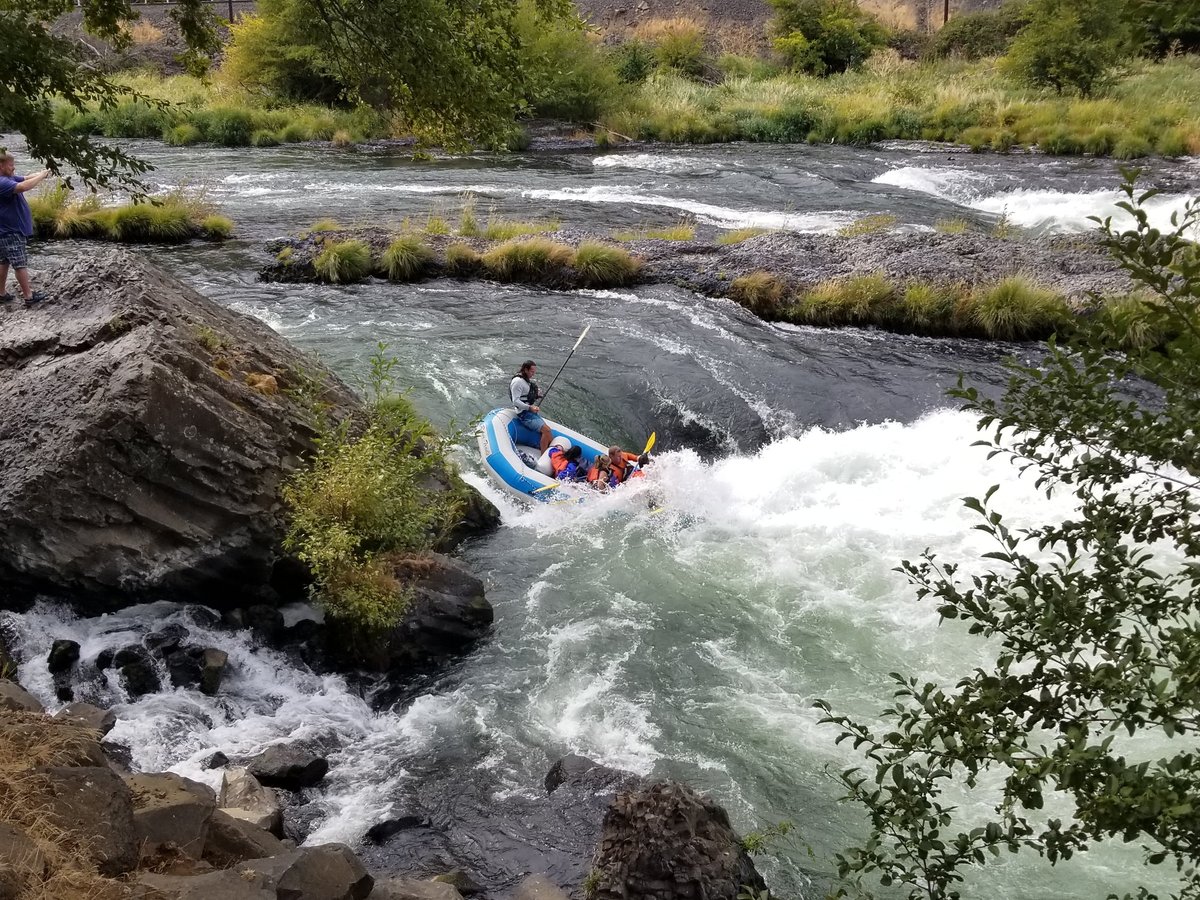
pixel 502 441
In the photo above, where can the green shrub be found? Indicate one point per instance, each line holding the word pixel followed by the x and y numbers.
pixel 633 61
pixel 228 126
pixel 1101 141
pixel 1016 309
pixel 166 223
pixel 1061 142
pixel 367 501
pixel 184 135
pixel 760 292
pixel 1173 142
pixel 295 133
pixel 823 37
pixel 216 228
pixel 462 261
pixel 681 49
pixel 132 119
pixel 527 260
pixel 980 34
pixel 406 259
pixel 275 52
pixel 264 138
pixel 730 238
pixel 343 262
pixel 600 265
pixel 1135 321
pixel 926 309
pixel 1068 45
pixel 567 74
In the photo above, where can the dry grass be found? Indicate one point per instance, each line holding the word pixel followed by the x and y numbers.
pixel 653 31
pixel 144 33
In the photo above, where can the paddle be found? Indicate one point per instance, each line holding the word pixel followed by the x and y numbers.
pixel 542 399
pixel 650 443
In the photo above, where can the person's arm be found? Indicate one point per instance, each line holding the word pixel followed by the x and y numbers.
pixel 32 181
pixel 515 390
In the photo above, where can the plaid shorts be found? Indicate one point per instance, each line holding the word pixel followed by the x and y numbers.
pixel 14 250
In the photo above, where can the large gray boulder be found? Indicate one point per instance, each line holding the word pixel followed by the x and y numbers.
pixel 325 872
pixel 92 809
pixel 230 884
pixel 414 889
pixel 231 841
pixel 87 716
pixel 171 810
pixel 15 698
pixel 144 453
pixel 244 797
pixel 288 766
pixel 664 841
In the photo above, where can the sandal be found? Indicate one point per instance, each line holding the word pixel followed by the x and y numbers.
pixel 6 298
pixel 37 297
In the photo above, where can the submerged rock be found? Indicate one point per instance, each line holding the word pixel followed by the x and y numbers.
pixel 664 841
pixel 289 767
pixel 139 463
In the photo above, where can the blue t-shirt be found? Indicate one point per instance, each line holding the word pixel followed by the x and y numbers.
pixel 15 217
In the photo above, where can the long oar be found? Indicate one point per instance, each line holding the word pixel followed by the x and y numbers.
pixel 650 443
pixel 542 399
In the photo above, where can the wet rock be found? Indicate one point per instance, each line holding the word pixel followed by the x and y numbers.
pixel 118 756
pixel 217 761
pixel 137 671
pixel 9 661
pixel 93 808
pixel 447 616
pixel 538 887
pixel 579 771
pixel 232 840
pixel 380 832
pixel 64 692
pixel 213 663
pixel 63 656
pixel 171 810
pixel 167 638
pixel 184 666
pixel 104 659
pixel 15 698
pixel 87 716
pixel 22 864
pixel 289 767
pixel 665 841
pixel 326 872
pixel 413 889
pixel 461 882
pixel 266 621
pixel 230 884
pixel 234 619
pixel 244 797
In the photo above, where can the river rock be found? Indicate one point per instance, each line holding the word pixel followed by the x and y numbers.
pixel 139 463
pixel 244 797
pixel 446 617
pixel 170 809
pixel 325 872
pixel 664 841
pixel 218 760
pixel 213 663
pixel 137 671
pixel 167 638
pixel 232 840
pixel 381 831
pixel 538 887
pixel 230 884
pixel 87 716
pixel 413 889
pixel 461 882
pixel 15 698
pixel 22 864
pixel 93 808
pixel 63 656
pixel 289 767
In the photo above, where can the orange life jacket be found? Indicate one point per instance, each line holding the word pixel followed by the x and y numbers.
pixel 558 461
pixel 621 464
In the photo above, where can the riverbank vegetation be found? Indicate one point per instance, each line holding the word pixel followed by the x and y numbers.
pixel 173 219
pixel 1064 76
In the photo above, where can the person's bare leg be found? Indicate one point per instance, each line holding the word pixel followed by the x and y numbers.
pixel 23 281
pixel 3 278
pixel 547 437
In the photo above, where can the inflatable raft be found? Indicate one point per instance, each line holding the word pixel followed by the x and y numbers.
pixel 510 453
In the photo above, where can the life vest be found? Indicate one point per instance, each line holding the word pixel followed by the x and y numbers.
pixel 621 466
pixel 531 395
pixel 558 462
pixel 593 476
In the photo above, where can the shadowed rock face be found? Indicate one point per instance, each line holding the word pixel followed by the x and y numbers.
pixel 139 460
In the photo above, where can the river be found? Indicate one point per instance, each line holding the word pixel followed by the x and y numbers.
pixel 798 466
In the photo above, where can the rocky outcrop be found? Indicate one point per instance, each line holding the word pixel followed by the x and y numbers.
pixel 22 863
pixel 244 797
pixel 414 889
pixel 664 841
pixel 15 698
pixel 173 811
pixel 139 462
pixel 87 716
pixel 92 808
pixel 581 772
pixel 232 841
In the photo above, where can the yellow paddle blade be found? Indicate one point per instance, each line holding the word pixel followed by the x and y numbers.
pixel 650 443
pixel 548 487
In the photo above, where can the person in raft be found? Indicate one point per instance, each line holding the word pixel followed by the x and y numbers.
pixel 16 228
pixel 567 464
pixel 525 395
pixel 626 465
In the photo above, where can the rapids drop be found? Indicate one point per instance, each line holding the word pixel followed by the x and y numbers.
pixel 798 467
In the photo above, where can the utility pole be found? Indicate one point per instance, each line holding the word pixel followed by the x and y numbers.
pixel 231 10
pixel 945 12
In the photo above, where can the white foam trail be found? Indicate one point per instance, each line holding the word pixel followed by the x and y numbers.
pixel 1042 209
pixel 653 162
pixel 725 217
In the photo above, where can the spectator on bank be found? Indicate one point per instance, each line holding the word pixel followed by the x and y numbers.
pixel 16 228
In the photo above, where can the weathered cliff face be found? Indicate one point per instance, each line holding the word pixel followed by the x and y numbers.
pixel 146 433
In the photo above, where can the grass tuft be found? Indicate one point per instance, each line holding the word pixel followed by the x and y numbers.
pixel 527 260
pixel 600 265
pixel 1015 309
pixel 760 292
pixel 873 224
pixel 739 235
pixel 462 260
pixel 216 228
pixel 952 226
pixel 684 231
pixel 343 262
pixel 406 259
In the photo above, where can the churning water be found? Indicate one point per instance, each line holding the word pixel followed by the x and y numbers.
pixel 798 467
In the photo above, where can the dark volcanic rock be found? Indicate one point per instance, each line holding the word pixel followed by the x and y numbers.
pixel 137 670
pixel 288 767
pixel 139 461
pixel 664 841
pixel 580 771
pixel 380 832
pixel 63 656
pixel 213 662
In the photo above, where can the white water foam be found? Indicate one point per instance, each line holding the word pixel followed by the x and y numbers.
pixel 654 162
pixel 1042 209
pixel 725 217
